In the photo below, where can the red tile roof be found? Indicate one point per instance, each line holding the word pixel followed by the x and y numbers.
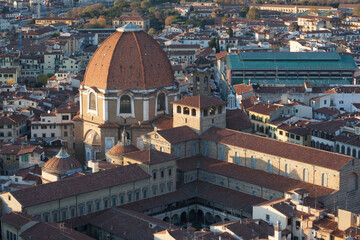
pixel 276 148
pixel 178 134
pixel 17 219
pixel 129 60
pixel 79 185
pixel 150 156
pixel 242 88
pixel 264 108
pixel 249 175
pixel 200 101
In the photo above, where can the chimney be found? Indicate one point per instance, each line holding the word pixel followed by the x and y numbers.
pixel 277 231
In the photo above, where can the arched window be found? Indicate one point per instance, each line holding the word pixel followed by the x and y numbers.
pixel 269 167
pixel 343 149
pixel 348 152
pixel 305 175
pixel 178 109
pixel 193 112
pixel 212 111
pixel 125 104
pixel 337 148
pixel 186 111
pixel 92 101
pixel 206 81
pixel 353 182
pixel 324 180
pixel 253 162
pixel 354 152
pixel 206 112
pixel 287 170
pixel 161 105
pixel 220 110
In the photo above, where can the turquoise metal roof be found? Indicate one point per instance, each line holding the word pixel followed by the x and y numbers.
pixel 290 61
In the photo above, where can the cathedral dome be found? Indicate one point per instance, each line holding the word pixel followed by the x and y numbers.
pixel 62 163
pixel 129 59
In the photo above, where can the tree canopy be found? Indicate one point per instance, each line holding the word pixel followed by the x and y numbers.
pixel 253 13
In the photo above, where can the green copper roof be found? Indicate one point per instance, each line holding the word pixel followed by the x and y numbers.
pixel 290 61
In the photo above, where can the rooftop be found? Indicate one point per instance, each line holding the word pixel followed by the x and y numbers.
pixel 273 147
pixel 290 61
pixel 199 101
pixel 150 156
pixel 74 186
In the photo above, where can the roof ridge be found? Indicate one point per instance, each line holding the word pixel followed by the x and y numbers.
pixel 141 59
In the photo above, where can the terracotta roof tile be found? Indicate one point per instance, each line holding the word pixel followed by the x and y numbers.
pixel 200 101
pixel 129 60
pixel 17 219
pixel 276 148
pixel 178 134
pixel 119 150
pixel 264 108
pixel 249 175
pixel 242 88
pixel 150 156
pixel 78 185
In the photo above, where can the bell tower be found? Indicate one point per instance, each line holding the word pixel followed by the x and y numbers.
pixel 202 76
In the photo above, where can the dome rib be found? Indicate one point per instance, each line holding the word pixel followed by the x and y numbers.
pixel 141 59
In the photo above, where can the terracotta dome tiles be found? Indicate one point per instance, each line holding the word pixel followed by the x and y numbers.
pixel 129 60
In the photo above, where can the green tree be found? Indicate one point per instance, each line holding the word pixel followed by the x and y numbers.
pixel 243 11
pixel 55 35
pixel 230 32
pixel 253 13
pixel 42 79
pixel 135 5
pixel 295 26
pixel 145 4
pixel 217 45
pixel 152 31
pixel 212 43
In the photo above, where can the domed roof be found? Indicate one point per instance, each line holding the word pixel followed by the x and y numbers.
pixel 129 59
pixel 119 150
pixel 62 162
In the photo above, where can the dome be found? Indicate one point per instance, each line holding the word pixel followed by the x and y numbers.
pixel 129 59
pixel 62 163
pixel 118 150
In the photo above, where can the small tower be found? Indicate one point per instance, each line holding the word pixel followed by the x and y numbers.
pixel 115 154
pixel 202 76
pixel 199 113
pixel 231 102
